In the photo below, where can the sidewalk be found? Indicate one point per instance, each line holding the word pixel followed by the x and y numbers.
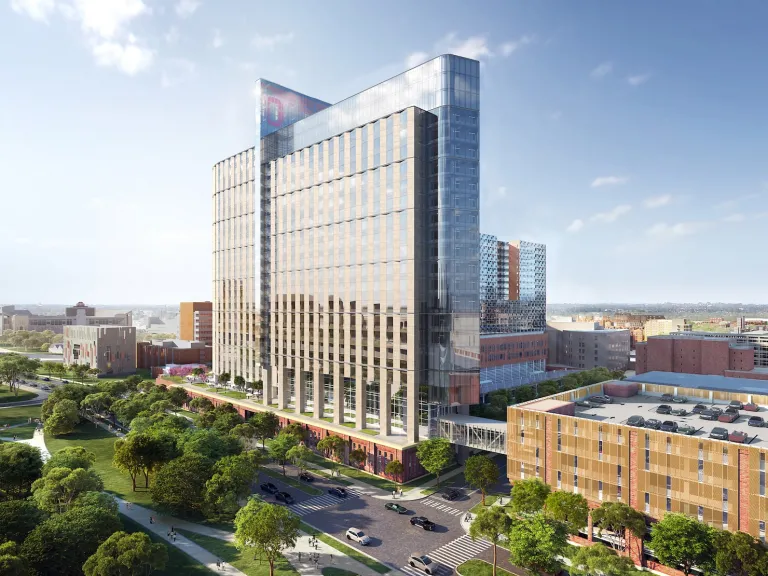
pixel 467 519
pixel 37 440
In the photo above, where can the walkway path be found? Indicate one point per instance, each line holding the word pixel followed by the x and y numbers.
pixel 37 440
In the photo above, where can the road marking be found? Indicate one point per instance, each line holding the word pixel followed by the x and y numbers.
pixel 452 555
pixel 321 502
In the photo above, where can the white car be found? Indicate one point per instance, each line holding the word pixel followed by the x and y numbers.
pixel 358 536
pixel 423 562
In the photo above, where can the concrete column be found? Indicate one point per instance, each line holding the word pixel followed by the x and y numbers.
pixel 361 393
pixel 338 394
pixel 301 386
pixel 319 380
pixel 266 381
pixel 282 388
pixel 412 409
pixel 385 406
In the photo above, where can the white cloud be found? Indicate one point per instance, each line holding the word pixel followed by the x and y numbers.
pixel 609 181
pixel 508 47
pixel 602 70
pixel 416 58
pixel 736 217
pixel 658 201
pixel 177 71
pixel 664 230
pixel 269 43
pixel 638 79
pixel 185 8
pixel 575 226
pixel 612 215
pixel 128 57
pixel 474 47
pixel 105 18
pixel 172 36
pixel 35 9
pixel 218 39
pixel 502 192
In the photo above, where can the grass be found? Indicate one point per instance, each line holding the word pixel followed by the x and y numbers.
pixel 490 499
pixel 303 486
pixel 22 432
pixel 429 477
pixel 443 484
pixel 348 424
pixel 18 414
pixel 480 568
pixel 22 396
pixel 234 394
pixel 331 571
pixel 177 379
pixel 200 384
pixel 101 443
pixel 327 475
pixel 249 563
pixel 370 431
pixel 344 549
pixel 376 481
pixel 178 562
pixel 327 418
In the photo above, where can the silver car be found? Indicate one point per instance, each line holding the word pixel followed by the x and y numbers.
pixel 424 563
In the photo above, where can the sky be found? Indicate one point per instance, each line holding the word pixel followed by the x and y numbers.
pixel 630 137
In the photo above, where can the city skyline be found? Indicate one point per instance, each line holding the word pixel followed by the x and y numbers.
pixel 572 159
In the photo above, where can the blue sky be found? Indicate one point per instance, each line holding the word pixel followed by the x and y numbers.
pixel 630 137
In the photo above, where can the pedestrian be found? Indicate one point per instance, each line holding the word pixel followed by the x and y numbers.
pixel 330 558
pixel 151 520
pixel 172 530
pixel 218 565
pixel 168 534
pixel 394 494
pixel 401 492
pixel 299 555
pixel 173 534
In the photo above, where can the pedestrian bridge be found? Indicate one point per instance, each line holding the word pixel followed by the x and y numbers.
pixel 473 432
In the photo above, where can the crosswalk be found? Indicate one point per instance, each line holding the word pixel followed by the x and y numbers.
pixel 322 502
pixel 452 555
pixel 443 507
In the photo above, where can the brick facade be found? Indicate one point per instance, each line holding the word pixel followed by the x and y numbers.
pixel 149 355
pixel 744 491
pixel 689 355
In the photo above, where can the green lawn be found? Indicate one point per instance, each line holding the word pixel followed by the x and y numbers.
pixel 429 477
pixel 370 431
pixel 331 571
pixel 18 414
pixel 102 443
pixel 22 396
pixel 200 384
pixel 291 481
pixel 248 562
pixel 356 474
pixel 22 432
pixel 178 562
pixel 344 549
pixel 233 394
pixel 480 568
pixel 489 500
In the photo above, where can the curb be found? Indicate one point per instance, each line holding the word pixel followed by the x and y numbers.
pixel 348 546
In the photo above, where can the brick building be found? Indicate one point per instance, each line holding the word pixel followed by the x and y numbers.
pixel 109 349
pixel 159 353
pixel 196 322
pixel 509 360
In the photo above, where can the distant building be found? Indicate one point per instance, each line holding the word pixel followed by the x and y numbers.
pixel 56 348
pixel 587 345
pixel 77 315
pixel 757 339
pixel 664 326
pixel 697 355
pixel 509 360
pixel 110 349
pixel 163 352
pixel 196 322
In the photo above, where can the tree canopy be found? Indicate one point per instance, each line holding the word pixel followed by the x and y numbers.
pixel 281 446
pixel 599 560
pixel 64 418
pixel 435 455
pixel 481 471
pixel 679 540
pixel 266 425
pixel 17 519
pixel 619 518
pixel 536 542
pixel 529 496
pixel 491 523
pixel 231 480
pixel 57 490
pixel 129 554
pixel 268 528
pixel 567 507
pixel 180 485
pixel 70 457
pixel 20 466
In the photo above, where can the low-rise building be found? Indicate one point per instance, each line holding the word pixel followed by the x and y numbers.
pixel 109 349
pixel 664 326
pixel 159 353
pixel 77 315
pixel 510 360
pixel 586 345
pixel 757 339
pixel 196 322
pixel 710 470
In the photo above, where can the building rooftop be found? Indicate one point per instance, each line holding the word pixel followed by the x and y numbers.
pixel 486 423
pixel 546 405
pixel 506 334
pixel 704 382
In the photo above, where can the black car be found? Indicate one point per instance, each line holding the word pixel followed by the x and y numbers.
pixel 423 522
pixel 679 412
pixel 46 379
pixel 756 421
pixel 698 409
pixel 736 404
pixel 306 477
pixel 601 399
pixel 717 411
pixel 708 414
pixel 396 508
pixel 450 494
pixel 338 492
pixel 653 423
pixel 636 421
pixel 584 403
pixel 664 409
pixel 679 399
pixel 667 398
pixel 669 426
pixel 269 488
pixel 719 434
pixel 284 497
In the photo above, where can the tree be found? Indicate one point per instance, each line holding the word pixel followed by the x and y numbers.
pixel 198 372
pixel 268 528
pixel 280 446
pixel 239 382
pixel 570 508
pixel 129 554
pixel 536 541
pixel 482 472
pixel 201 404
pixel 491 524
pixel 11 564
pixel 335 446
pixel 64 418
pixel 736 554
pixel 599 560
pixel 266 425
pixel 70 457
pixel 48 367
pixel 179 486
pixel 678 540
pixel 357 457
pixel 98 402
pixel 231 481
pixel 619 518
pixel 528 496
pixel 13 367
pixel 300 456
pixel 435 455
pixel 60 545
pixel 17 519
pixel 224 378
pixel 96 500
pixel 245 432
pixel 296 430
pixel 178 396
pixel 59 369
pixel 395 469
pixel 55 492
pixel 20 466
pixel 143 453
pixel 209 444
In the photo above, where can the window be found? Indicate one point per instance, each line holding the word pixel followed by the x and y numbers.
pixel 725 455
pixel 522 470
pixel 647 503
pixel 762 474
pixel 669 486
pixel 599 489
pixel 559 479
pixel 761 528
pixel 700 514
pixel 669 504
pixel 701 463
pixel 599 449
pixel 575 482
pixel 669 445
